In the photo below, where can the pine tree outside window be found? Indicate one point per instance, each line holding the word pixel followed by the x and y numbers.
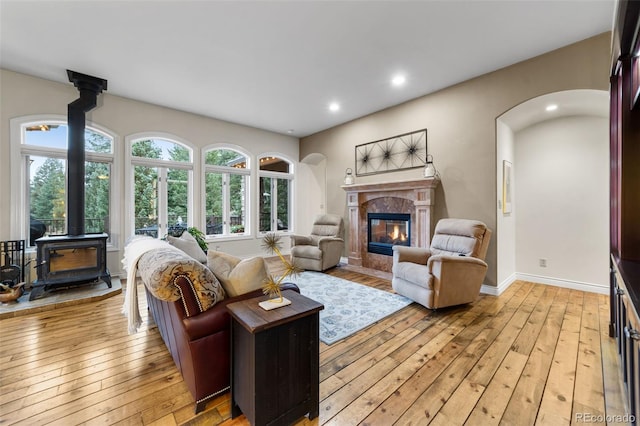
pixel 162 172
pixel 275 194
pixel 227 177
pixel 43 150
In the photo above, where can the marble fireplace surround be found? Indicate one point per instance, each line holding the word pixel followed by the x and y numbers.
pixel 414 197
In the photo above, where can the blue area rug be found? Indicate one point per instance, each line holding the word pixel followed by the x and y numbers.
pixel 348 307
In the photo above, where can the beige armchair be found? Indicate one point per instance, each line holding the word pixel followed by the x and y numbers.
pixel 322 249
pixel 448 273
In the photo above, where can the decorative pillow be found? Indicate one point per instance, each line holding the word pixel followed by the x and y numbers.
pixel 237 276
pixel 188 244
pixel 159 267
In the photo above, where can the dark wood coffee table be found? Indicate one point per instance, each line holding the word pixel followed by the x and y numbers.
pixel 275 360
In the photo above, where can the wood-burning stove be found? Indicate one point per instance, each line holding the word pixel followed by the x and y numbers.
pixel 67 260
pixel 75 258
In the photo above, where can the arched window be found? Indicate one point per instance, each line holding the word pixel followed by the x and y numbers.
pixel 162 174
pixel 275 193
pixel 43 195
pixel 226 174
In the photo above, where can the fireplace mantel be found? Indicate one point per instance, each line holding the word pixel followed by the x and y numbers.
pixel 415 184
pixel 420 192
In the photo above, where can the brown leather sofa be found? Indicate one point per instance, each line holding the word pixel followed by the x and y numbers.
pixel 199 342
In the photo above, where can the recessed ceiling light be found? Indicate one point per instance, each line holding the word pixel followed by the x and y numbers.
pixel 551 107
pixel 334 106
pixel 290 131
pixel 398 80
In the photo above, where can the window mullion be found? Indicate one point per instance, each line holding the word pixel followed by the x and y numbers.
pixel 154 162
pixel 98 157
pixel 226 227
pixel 27 217
pixel 162 212
pixel 274 204
pixel 224 169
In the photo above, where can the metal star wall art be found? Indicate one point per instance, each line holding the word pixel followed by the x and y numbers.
pixel 406 151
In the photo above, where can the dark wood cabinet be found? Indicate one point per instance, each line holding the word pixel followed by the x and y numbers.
pixel 275 360
pixel 627 332
pixel 625 136
pixel 625 197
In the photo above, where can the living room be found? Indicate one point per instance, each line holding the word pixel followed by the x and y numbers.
pixel 466 156
pixel 469 158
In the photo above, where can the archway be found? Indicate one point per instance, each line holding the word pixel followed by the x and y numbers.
pixel 311 184
pixel 556 146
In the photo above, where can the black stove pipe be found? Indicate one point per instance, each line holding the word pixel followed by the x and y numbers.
pixel 89 88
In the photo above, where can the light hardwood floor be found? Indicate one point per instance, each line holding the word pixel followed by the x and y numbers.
pixel 535 355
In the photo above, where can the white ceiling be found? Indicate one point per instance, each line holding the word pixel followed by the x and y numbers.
pixel 276 65
pixel 569 103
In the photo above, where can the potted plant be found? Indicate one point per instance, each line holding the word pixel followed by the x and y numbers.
pixel 199 236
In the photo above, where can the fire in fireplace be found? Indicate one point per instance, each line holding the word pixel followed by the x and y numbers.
pixel 386 230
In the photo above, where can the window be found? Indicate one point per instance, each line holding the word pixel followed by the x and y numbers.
pixel 162 173
pixel 276 177
pixel 43 154
pixel 226 173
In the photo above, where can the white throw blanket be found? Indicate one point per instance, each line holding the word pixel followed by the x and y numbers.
pixel 136 247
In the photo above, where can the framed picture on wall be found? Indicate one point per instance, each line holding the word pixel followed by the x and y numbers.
pixel 507 187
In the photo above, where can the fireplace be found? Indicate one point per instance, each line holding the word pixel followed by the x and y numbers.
pixel 75 258
pixel 386 230
pixel 413 197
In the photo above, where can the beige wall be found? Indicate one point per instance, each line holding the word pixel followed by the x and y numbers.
pixel 562 213
pixel 461 123
pixel 23 95
pixel 504 240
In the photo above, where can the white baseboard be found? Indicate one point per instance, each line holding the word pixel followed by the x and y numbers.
pixel 559 282
pixel 538 279
pixel 498 290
